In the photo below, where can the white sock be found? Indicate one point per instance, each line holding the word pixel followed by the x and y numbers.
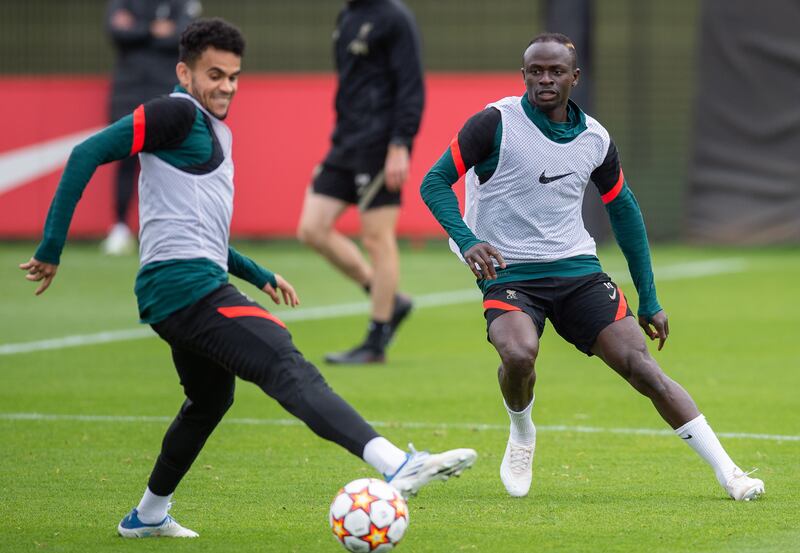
pixel 383 455
pixel 522 429
pixel 699 436
pixel 153 508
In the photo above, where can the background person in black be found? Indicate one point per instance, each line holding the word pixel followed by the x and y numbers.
pixel 145 35
pixel 378 109
pixel 215 333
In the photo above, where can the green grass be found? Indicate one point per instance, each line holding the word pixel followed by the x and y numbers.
pixel 65 483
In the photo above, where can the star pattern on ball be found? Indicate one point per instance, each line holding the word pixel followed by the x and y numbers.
pixel 362 500
pixel 338 529
pixel 377 536
pixel 400 507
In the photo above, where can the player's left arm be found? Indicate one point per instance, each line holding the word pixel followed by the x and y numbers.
pixel 405 63
pixel 629 230
pixel 271 283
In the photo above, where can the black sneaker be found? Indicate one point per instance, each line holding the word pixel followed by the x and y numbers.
pixel 360 355
pixel 402 308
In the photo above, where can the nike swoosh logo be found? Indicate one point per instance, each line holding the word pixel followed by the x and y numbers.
pixel 544 179
pixel 614 295
pixel 687 437
pixel 23 165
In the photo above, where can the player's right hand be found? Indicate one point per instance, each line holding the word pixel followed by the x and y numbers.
pixel 479 260
pixel 290 297
pixel 39 271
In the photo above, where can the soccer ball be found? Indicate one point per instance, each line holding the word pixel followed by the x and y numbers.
pixel 368 516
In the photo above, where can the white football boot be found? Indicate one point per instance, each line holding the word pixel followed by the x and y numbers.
pixel 743 488
pixel 132 527
pixel 421 467
pixel 516 470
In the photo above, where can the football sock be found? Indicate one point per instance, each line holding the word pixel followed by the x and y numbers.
pixel 522 429
pixel 699 436
pixel 383 455
pixel 377 334
pixel 153 508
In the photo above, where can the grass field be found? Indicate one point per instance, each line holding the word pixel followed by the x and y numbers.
pixel 608 477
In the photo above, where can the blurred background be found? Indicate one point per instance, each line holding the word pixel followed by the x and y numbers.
pixel 691 92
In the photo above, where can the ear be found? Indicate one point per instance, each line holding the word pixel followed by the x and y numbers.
pixel 184 73
pixel 576 75
pixel 522 70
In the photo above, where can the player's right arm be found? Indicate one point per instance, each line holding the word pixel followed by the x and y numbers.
pixel 477 145
pixel 159 124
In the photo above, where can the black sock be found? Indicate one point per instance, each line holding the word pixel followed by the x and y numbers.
pixel 376 337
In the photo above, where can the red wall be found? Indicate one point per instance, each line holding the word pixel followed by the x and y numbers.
pixel 281 125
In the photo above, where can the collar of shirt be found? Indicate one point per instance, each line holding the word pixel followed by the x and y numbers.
pixel 555 131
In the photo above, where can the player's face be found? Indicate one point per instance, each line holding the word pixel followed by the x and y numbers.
pixel 549 77
pixel 212 79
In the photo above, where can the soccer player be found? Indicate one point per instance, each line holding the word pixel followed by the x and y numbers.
pixel 215 332
pixel 528 161
pixel 378 109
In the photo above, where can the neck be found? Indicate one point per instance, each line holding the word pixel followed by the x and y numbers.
pixel 557 114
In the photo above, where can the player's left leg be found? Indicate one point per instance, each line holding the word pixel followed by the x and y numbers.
pixel 622 346
pixel 389 308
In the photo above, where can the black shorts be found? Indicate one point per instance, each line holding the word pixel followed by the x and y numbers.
pixel 365 188
pixel 579 307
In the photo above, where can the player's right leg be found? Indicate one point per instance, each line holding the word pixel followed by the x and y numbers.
pixel 515 336
pixel 321 210
pixel 209 390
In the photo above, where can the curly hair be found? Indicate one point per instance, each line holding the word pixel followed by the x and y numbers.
pixel 213 32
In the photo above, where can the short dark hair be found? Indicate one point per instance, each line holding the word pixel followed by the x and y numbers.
pixel 212 32
pixel 559 38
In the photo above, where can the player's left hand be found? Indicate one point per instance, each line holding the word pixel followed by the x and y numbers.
pixel 39 271
pixel 396 167
pixel 287 291
pixel 656 326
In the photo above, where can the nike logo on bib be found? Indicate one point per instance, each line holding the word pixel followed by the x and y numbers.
pixel 545 179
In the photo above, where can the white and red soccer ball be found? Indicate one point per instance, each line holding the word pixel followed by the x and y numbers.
pixel 368 516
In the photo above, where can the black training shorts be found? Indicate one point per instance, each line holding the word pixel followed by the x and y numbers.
pixel 365 188
pixel 579 307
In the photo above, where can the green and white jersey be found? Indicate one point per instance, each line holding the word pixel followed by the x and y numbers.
pixel 526 176
pixel 530 208
pixel 185 215
pixel 185 202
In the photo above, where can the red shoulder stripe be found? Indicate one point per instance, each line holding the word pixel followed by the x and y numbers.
pixel 455 151
pixel 614 192
pixel 138 131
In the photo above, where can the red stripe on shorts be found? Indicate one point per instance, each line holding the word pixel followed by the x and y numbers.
pixel 249 311
pixel 622 309
pixel 497 304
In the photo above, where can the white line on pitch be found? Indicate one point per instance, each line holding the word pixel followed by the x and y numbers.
pixel 383 424
pixel 693 269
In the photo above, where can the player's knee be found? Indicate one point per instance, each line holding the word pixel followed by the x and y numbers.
pixel 379 243
pixel 644 374
pixel 519 358
pixel 311 234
